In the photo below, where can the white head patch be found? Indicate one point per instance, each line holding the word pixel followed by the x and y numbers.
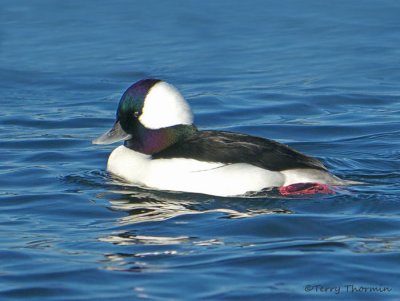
pixel 164 106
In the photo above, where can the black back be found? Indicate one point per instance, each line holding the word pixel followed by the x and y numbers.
pixel 229 148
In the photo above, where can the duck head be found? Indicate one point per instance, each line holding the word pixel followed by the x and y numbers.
pixel 151 115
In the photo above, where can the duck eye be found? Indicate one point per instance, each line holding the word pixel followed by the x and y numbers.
pixel 136 114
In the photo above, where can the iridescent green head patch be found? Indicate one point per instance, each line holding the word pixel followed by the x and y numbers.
pixel 131 104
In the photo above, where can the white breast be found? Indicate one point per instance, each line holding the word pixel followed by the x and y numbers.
pixel 190 175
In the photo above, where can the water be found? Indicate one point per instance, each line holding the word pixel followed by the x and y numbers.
pixel 322 76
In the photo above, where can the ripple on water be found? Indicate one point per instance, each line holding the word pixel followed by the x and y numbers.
pixel 321 78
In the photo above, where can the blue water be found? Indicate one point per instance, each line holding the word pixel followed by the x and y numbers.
pixel 321 76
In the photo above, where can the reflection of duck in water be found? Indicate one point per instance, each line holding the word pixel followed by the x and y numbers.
pixel 164 150
pixel 143 206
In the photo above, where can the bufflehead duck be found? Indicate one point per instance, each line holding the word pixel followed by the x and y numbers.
pixel 164 150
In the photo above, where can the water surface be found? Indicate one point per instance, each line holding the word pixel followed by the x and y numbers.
pixel 321 76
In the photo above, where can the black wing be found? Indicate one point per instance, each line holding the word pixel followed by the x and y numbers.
pixel 228 147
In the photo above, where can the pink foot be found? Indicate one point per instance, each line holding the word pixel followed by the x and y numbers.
pixel 304 189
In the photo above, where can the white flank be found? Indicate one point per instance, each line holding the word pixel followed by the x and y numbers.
pixel 293 176
pixel 190 175
pixel 164 106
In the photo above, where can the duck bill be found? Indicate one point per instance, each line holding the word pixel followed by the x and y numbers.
pixel 114 135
